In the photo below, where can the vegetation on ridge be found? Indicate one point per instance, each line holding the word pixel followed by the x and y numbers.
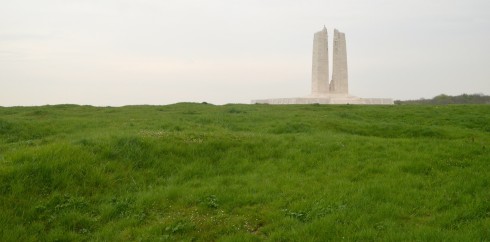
pixel 245 173
pixel 446 99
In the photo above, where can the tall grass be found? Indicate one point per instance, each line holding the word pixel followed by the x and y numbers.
pixel 245 173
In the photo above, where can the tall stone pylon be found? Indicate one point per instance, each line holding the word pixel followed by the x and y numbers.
pixel 339 83
pixel 320 73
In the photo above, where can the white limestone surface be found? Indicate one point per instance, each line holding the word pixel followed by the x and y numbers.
pixel 320 73
pixel 326 100
pixel 340 81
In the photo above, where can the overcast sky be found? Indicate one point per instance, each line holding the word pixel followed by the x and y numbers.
pixel 121 52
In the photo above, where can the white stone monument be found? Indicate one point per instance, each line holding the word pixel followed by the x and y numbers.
pixel 320 73
pixel 339 84
pixel 323 91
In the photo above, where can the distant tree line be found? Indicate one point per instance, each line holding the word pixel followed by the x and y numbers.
pixel 478 98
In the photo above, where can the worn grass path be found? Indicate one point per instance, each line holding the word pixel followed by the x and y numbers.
pixel 198 172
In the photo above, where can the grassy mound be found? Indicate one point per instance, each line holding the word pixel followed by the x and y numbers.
pixel 245 173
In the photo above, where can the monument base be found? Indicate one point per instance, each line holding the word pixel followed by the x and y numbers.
pixel 327 99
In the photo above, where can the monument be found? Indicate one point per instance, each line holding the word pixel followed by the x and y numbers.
pixel 339 84
pixel 324 91
pixel 320 73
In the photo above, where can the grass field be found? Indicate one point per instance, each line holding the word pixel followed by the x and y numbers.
pixel 198 172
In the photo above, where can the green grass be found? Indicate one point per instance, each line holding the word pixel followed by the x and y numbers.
pixel 190 172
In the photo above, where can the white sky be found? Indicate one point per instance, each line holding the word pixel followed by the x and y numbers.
pixel 120 52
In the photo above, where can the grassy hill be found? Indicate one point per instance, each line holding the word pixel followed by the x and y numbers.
pixel 198 172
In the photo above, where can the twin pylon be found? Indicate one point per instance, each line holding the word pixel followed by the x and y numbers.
pixel 320 82
pixel 324 91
